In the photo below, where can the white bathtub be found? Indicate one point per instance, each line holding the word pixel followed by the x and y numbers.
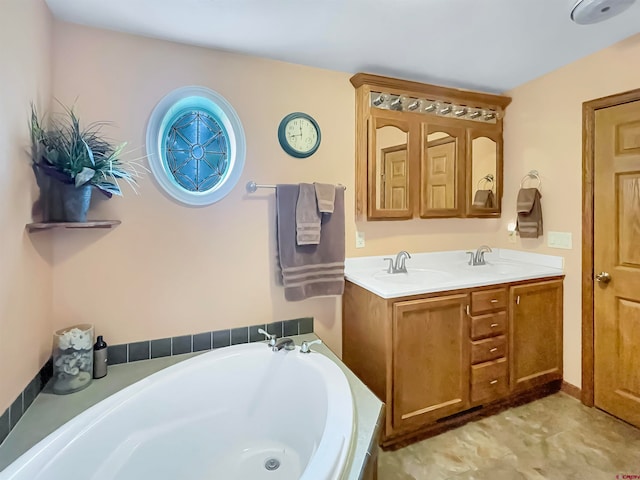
pixel 226 414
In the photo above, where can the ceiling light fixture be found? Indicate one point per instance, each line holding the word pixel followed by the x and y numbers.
pixel 586 12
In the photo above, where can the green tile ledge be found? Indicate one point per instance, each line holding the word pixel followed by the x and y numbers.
pixel 50 411
pixel 148 349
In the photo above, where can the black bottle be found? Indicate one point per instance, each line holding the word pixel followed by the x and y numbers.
pixel 100 358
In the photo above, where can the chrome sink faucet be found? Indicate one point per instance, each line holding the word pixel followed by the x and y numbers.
pixel 276 343
pixel 478 257
pixel 399 265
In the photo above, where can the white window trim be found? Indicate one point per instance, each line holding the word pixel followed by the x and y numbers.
pixel 226 115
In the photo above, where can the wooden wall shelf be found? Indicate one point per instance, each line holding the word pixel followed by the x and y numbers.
pixel 40 226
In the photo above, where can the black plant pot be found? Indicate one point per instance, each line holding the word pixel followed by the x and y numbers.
pixel 62 202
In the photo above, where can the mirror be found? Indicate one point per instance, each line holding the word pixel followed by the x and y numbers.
pixel 439 171
pixel 392 181
pixel 484 164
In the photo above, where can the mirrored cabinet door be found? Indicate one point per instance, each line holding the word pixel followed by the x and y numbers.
pixel 389 168
pixel 484 173
pixel 441 171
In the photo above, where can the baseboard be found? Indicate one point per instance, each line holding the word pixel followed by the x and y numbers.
pixel 571 390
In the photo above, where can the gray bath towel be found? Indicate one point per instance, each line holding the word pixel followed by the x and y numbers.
pixel 483 199
pixel 308 218
pixel 325 195
pixel 310 270
pixel 529 210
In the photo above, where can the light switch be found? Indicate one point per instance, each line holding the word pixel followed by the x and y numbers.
pixel 560 240
pixel 359 239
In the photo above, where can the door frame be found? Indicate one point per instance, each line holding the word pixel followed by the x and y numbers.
pixel 588 163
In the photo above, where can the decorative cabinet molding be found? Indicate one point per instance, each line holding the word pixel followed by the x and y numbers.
pixel 438 360
pixel 424 150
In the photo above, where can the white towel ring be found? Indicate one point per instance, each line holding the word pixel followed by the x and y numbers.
pixel 533 174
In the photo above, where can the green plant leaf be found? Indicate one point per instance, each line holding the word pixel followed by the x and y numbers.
pixel 84 176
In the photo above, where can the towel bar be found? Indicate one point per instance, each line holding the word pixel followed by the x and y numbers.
pixel 253 186
pixel 532 174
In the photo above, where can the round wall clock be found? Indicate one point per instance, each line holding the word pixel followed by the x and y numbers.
pixel 299 135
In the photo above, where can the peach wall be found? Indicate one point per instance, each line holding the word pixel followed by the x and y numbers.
pixel 25 270
pixel 543 131
pixel 169 269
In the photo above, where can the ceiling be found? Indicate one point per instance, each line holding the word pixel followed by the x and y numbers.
pixel 490 45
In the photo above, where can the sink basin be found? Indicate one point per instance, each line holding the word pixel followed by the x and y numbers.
pixel 413 276
pixel 496 268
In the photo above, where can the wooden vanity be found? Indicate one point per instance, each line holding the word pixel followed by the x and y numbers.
pixel 441 359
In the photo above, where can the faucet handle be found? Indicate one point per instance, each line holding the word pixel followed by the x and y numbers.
pixel 471 254
pixel 390 267
pixel 270 337
pixel 304 348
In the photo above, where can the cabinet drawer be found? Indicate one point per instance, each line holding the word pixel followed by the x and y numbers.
pixel 488 300
pixel 489 381
pixel 488 325
pixel 488 349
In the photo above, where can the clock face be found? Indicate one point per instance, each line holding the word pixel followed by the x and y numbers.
pixel 299 135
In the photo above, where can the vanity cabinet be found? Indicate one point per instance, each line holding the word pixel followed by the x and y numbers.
pixel 426 151
pixel 440 359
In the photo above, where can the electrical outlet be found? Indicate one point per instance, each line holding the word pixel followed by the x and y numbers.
pixel 359 239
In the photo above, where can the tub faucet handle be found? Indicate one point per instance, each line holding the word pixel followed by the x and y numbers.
pixel 304 348
pixel 271 338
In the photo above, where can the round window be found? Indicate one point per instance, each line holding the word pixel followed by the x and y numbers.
pixel 196 145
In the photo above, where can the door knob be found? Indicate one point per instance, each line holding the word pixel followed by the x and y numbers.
pixel 603 277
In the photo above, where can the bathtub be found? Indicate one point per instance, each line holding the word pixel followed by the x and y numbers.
pixel 241 412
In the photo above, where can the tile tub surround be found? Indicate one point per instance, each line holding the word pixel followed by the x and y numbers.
pixel 450 271
pixel 164 347
pixel 19 406
pixel 50 411
pixel 552 438
pixel 200 342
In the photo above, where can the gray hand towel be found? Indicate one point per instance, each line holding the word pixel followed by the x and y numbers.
pixel 308 219
pixel 529 211
pixel 325 195
pixel 310 270
pixel 483 199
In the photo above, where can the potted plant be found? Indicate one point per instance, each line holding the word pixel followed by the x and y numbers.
pixel 69 161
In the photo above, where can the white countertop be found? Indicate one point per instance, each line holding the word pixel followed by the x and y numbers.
pixel 442 271
pixel 50 411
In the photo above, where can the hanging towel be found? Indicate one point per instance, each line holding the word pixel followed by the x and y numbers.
pixel 483 199
pixel 529 212
pixel 308 219
pixel 325 195
pixel 310 270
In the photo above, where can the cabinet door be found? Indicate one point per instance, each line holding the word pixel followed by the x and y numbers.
pixel 536 334
pixel 389 167
pixel 484 172
pixel 441 170
pixel 430 359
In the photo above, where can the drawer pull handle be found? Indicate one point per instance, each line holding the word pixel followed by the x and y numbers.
pixel 494 301
pixel 494 349
pixel 493 325
pixel 493 382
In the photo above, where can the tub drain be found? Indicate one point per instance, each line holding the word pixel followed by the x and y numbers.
pixel 272 464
